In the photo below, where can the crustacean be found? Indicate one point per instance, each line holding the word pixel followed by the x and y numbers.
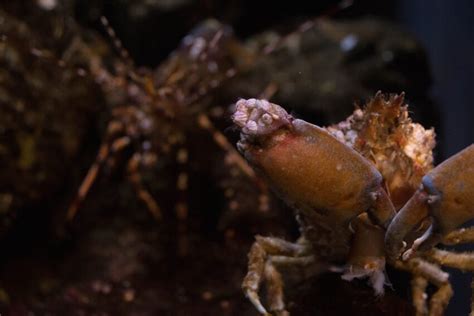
pixel 343 203
pixel 153 112
pixel 156 110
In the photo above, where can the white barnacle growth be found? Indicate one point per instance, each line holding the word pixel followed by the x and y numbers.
pixel 266 119
pixel 259 117
pixel 251 127
pixel 250 103
pixel 241 114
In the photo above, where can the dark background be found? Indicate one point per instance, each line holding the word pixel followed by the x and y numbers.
pixel 445 28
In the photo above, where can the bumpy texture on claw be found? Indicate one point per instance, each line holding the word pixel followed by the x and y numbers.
pixel 259 117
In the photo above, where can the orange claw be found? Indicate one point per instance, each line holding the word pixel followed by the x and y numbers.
pixel 310 168
pixel 446 195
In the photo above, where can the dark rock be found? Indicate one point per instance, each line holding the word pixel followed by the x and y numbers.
pixel 320 73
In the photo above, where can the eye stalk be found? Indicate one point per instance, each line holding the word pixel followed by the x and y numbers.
pixel 259 117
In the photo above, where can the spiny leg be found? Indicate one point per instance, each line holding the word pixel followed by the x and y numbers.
pixel 418 288
pixel 133 171
pixel 436 276
pixel 236 159
pixel 261 267
pixel 461 261
pixel 307 266
pixel 105 151
pixel 275 295
pixel 463 235
pixel 88 181
pixel 181 207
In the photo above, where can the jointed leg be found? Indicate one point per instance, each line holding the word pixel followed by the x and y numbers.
pixel 436 276
pixel 182 185
pixel 133 170
pixel 88 181
pixel 418 288
pixel 264 255
pixel 460 236
pixel 234 158
pixel 181 206
pixel 461 261
pixel 275 295
pixel 105 151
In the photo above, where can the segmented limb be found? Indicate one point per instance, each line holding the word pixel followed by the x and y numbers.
pixel 181 206
pixel 382 211
pixel 265 255
pixel 105 151
pixel 433 273
pixel 133 173
pixel 182 185
pixel 88 181
pixel 418 294
pixel 235 158
pixel 275 295
pixel 460 236
pixel 461 261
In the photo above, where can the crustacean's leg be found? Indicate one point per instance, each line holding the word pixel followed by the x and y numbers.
pixel 366 255
pixel 418 294
pixel 266 255
pixel 106 150
pixel 433 273
pixel 463 235
pixel 236 159
pixel 181 206
pixel 382 211
pixel 134 176
pixel 463 261
pixel 182 184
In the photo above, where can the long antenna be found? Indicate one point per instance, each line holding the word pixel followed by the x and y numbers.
pixel 116 41
pixel 125 55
